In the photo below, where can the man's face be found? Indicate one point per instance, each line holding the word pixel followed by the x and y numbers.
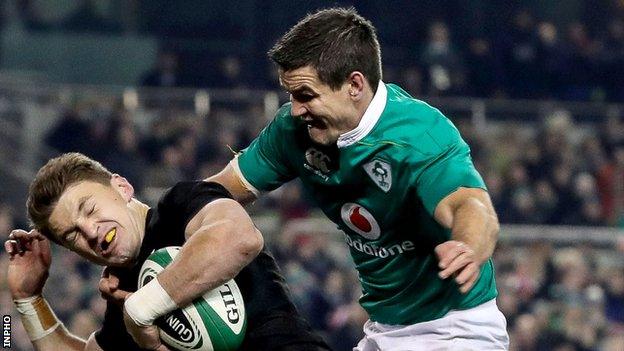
pixel 327 113
pixel 95 221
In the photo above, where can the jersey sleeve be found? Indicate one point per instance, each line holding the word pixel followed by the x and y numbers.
pixel 182 202
pixel 446 170
pixel 264 163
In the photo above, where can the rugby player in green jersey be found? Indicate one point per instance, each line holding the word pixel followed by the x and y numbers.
pixel 395 176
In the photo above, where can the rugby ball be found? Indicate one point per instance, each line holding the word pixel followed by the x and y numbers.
pixel 214 322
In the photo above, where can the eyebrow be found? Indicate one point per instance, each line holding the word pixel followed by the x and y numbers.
pixel 81 203
pixel 304 89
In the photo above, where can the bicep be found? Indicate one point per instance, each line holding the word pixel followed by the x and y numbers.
pixel 445 210
pixel 224 210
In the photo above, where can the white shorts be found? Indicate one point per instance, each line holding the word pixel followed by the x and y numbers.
pixel 481 328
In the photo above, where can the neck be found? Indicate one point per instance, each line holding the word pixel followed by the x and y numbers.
pixel 139 215
pixel 361 106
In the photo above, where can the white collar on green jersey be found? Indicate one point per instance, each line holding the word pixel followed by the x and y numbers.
pixel 368 121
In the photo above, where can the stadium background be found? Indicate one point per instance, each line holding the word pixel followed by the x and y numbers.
pixel 156 89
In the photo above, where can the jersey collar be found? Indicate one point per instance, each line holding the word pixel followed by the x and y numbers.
pixel 368 121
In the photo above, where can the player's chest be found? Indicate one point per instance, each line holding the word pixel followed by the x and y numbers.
pixel 363 189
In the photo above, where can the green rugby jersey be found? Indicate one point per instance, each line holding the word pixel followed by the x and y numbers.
pixel 380 184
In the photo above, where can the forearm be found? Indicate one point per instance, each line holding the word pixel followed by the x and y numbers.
pixel 60 339
pixel 45 330
pixel 212 256
pixel 477 226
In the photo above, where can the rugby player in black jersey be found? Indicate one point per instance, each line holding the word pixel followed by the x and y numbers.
pixel 77 203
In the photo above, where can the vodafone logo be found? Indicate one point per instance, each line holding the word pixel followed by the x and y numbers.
pixel 358 219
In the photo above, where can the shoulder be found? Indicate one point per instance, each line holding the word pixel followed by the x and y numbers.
pixel 283 119
pixel 414 126
pixel 191 195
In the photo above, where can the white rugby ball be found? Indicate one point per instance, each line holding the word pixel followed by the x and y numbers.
pixel 214 322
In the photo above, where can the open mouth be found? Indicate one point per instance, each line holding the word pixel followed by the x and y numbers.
pixel 108 239
pixel 314 123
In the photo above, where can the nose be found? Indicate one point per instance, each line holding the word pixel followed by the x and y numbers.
pixel 88 228
pixel 297 109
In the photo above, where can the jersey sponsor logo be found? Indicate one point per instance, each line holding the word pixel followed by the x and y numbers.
pixel 380 251
pixel 180 327
pixel 380 172
pixel 358 219
pixel 317 161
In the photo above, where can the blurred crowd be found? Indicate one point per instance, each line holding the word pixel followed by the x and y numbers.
pixel 530 58
pixel 476 48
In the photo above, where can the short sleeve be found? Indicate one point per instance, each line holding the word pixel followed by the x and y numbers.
pixel 264 164
pixel 445 173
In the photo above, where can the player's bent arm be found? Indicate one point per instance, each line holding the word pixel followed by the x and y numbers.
pixel 231 180
pixel 221 240
pixel 470 215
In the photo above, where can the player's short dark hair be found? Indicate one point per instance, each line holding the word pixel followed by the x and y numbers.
pixel 335 42
pixel 53 179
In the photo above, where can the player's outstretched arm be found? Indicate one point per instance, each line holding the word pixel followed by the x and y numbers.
pixel 231 179
pixel 29 264
pixel 469 213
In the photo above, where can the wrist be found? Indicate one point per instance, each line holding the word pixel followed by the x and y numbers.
pixel 24 295
pixel 149 303
pixel 37 317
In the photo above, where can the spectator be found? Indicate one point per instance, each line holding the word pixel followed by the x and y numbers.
pixel 70 133
pixel 165 73
pixel 442 62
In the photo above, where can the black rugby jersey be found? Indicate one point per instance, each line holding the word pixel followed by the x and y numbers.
pixel 273 322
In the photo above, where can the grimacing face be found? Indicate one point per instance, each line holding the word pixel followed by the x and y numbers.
pixel 328 113
pixel 96 221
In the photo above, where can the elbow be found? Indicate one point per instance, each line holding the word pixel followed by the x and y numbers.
pixel 254 242
pixel 248 240
pixel 496 229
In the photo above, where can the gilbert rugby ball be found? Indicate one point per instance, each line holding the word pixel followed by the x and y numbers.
pixel 213 322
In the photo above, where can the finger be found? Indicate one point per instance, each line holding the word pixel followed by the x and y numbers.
pixel 466 273
pixel 119 296
pixel 163 347
pixel 36 235
pixel 464 288
pixel 34 246
pixel 458 263
pixel 113 281
pixel 109 283
pixel 15 232
pixel 21 235
pixel 449 251
pixel 23 240
pixel 10 247
pixel 103 287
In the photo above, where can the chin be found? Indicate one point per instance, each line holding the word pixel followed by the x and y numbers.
pixel 320 138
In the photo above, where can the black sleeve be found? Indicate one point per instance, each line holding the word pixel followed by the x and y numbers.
pixel 185 199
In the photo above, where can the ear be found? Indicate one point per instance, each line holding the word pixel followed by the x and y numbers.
pixel 124 187
pixel 357 83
